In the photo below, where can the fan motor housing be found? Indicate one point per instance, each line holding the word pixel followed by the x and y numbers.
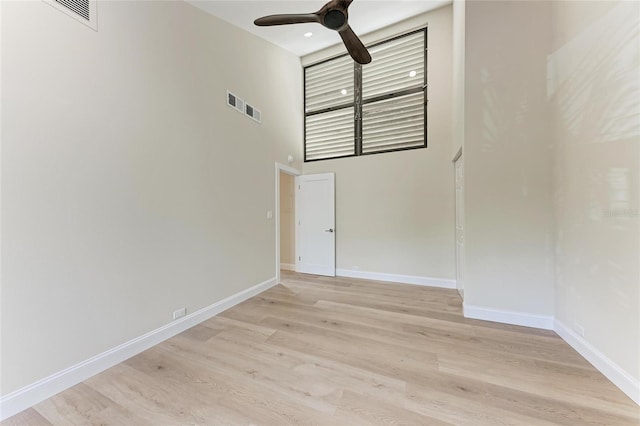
pixel 334 19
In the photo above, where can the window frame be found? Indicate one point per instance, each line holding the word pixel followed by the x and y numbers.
pixel 358 102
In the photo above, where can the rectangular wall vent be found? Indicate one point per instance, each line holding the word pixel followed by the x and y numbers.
pixel 235 102
pixel 80 7
pixel 241 106
pixel 252 112
pixel 84 11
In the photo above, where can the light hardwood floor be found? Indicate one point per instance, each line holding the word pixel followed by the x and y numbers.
pixel 336 351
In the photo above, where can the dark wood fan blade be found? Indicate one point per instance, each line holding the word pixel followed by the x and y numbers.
pixel 354 46
pixel 286 19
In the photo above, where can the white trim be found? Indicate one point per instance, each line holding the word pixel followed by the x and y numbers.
pixel 288 267
pixel 508 317
pixel 288 169
pixel 34 393
pixel 294 172
pixel 623 380
pixel 395 278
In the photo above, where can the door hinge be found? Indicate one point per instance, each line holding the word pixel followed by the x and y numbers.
pixel 299 258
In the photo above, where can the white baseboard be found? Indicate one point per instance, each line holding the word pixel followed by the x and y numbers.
pixel 30 395
pixel 627 384
pixel 508 317
pixel 404 279
pixel 288 267
pixel 623 380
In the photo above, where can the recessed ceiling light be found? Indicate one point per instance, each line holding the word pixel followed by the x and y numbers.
pixel 308 34
pixel 413 74
pixel 343 91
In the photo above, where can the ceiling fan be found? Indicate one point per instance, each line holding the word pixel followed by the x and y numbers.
pixel 333 15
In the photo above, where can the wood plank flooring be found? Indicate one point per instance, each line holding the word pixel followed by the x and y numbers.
pixel 336 351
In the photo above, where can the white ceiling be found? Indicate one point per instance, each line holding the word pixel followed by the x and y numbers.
pixel 364 16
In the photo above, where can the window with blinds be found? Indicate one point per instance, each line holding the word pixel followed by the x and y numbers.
pixel 353 109
pixel 329 107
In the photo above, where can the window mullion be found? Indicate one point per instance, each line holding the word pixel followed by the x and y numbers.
pixel 357 101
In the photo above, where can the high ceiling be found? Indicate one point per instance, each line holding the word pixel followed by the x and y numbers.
pixel 364 16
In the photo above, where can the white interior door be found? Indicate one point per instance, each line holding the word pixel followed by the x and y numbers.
pixel 315 219
pixel 459 170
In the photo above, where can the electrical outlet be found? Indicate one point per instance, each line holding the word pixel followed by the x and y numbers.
pixel 179 313
pixel 269 214
pixel 578 328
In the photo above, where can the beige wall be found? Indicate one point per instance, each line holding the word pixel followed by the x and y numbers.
pixel 287 219
pixel 594 69
pixel 552 168
pixel 508 152
pixel 129 188
pixel 395 211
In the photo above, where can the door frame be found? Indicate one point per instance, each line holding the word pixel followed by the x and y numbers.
pixel 459 256
pixel 293 172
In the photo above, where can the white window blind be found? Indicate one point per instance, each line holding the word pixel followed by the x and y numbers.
pixel 353 109
pixel 392 124
pixel 329 84
pixel 330 134
pixel 396 65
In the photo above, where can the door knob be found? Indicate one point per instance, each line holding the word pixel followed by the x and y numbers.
pixel 328 230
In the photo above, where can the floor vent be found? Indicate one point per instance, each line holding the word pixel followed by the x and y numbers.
pixel 84 11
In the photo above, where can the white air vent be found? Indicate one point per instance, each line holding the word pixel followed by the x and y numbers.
pixel 241 106
pixel 235 102
pixel 84 11
pixel 253 112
